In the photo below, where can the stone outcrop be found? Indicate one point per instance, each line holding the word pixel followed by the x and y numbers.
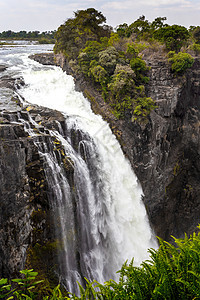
pixel 2 68
pixel 27 231
pixel 164 152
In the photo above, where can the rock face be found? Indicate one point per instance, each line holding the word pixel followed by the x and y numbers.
pixel 27 231
pixel 14 193
pixel 165 152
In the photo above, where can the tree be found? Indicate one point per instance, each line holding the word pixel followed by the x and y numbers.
pixel 89 18
pixel 108 59
pixel 73 35
pixel 196 34
pixel 159 23
pixel 174 36
pixel 139 27
pixel 122 30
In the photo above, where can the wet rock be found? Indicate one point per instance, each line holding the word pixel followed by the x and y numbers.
pixel 24 190
pixel 44 58
pixel 10 83
pixel 7 82
pixel 2 68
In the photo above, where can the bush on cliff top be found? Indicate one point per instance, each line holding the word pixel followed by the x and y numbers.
pixel 180 62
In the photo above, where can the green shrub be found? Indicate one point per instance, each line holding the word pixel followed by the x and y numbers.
pixel 196 48
pixel 120 107
pixel 180 62
pixel 99 74
pixel 196 34
pixel 92 49
pixel 5 288
pixel 143 107
pixel 132 50
pixel 24 287
pixel 171 273
pixel 108 59
pixel 140 68
pixel 122 81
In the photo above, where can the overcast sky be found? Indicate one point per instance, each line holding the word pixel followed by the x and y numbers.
pixel 46 15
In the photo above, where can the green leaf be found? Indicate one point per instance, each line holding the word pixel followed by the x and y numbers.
pixel 3 281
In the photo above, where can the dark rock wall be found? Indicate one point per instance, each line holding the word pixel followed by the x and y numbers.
pixel 14 194
pixel 27 232
pixel 167 151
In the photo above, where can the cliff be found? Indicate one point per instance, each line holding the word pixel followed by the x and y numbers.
pixel 27 231
pixel 165 151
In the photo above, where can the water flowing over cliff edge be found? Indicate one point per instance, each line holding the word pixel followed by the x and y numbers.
pixel 70 203
pixel 165 152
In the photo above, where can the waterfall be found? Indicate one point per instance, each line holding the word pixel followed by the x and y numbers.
pixel 102 220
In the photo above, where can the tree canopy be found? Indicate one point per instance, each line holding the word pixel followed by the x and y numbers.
pixel 9 34
pixel 87 25
pixel 174 36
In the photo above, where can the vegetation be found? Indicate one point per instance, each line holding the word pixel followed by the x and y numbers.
pixel 174 36
pixel 180 62
pixel 114 60
pixel 106 59
pixel 196 48
pixel 172 272
pixel 45 37
pixel 76 32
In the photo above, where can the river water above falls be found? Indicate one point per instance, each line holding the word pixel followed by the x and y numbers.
pixel 108 223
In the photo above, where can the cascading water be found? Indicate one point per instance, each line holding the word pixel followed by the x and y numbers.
pixel 111 218
pixel 102 220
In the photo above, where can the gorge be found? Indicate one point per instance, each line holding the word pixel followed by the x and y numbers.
pixel 164 154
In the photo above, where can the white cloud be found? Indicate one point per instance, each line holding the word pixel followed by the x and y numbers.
pixel 155 3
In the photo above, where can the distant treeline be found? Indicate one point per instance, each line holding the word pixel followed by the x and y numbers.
pixel 9 34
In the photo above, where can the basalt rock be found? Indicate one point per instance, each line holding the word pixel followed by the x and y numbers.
pixel 27 231
pixel 2 68
pixel 165 151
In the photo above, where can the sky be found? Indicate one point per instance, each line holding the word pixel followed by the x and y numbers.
pixel 45 15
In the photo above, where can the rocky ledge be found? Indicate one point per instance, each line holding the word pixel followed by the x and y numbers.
pixel 164 152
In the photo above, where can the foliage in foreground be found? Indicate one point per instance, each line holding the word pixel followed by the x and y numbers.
pixel 172 272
